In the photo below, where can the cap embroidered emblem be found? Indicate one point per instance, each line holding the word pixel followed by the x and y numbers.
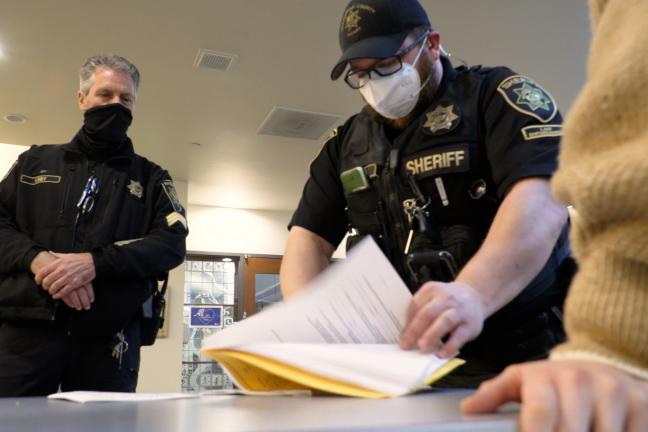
pixel 352 21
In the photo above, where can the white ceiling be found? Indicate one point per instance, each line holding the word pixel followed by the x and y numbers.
pixel 285 49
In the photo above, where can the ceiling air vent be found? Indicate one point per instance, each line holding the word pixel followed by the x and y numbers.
pixel 15 118
pixel 292 123
pixel 214 60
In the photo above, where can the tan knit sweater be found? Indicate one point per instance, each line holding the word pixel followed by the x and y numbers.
pixel 604 174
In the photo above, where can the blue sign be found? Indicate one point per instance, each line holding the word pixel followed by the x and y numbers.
pixel 206 316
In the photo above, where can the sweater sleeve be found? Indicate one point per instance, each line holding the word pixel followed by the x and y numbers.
pixel 603 173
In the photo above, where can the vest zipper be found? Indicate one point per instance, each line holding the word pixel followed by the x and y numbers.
pixel 395 220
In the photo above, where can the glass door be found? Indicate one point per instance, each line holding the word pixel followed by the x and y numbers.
pixel 261 283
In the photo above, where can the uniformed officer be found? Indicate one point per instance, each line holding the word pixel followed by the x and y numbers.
pixel 447 169
pixel 86 228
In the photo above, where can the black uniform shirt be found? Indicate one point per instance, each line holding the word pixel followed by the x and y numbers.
pixel 508 125
pixel 135 230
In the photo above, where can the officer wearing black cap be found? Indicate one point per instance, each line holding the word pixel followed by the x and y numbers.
pixel 447 169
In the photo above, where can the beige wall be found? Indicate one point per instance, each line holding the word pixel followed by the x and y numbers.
pixel 8 155
pixel 226 230
pixel 218 229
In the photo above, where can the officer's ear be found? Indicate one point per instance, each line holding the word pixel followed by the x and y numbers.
pixel 81 100
pixel 433 42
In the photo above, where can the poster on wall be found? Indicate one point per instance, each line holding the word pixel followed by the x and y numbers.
pixel 206 316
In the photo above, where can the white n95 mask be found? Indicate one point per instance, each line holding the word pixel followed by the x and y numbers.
pixel 394 96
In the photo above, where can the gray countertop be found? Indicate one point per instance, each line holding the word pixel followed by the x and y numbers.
pixel 430 411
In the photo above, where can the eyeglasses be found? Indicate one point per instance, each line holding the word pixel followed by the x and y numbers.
pixel 388 66
pixel 88 197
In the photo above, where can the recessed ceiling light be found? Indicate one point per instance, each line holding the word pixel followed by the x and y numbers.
pixel 226 259
pixel 15 118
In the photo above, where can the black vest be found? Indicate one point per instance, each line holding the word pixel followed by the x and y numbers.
pixel 443 150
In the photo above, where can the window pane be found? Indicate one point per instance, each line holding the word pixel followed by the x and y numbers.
pixel 211 283
pixel 267 290
pixel 229 267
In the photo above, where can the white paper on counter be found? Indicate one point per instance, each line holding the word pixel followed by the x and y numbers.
pixel 96 396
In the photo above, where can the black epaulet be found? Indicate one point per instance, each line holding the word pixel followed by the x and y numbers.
pixel 472 68
pixel 44 149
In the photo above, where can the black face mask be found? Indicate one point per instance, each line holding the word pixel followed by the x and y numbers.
pixel 103 134
pixel 107 124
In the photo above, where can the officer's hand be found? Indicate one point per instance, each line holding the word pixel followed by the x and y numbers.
pixel 569 395
pixel 80 298
pixel 438 309
pixel 41 260
pixel 66 274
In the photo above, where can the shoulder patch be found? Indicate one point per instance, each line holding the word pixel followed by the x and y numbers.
pixel 541 131
pixel 175 217
pixel 169 190
pixel 527 97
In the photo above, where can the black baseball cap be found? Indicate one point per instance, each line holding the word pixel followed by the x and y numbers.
pixel 376 29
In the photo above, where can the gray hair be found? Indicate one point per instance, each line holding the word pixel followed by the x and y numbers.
pixel 108 61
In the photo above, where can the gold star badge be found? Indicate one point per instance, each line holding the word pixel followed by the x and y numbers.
pixel 441 118
pixel 136 189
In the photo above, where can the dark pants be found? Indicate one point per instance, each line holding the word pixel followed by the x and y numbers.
pixel 36 359
pixel 496 349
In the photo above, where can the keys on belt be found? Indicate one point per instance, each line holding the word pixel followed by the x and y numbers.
pixel 120 346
